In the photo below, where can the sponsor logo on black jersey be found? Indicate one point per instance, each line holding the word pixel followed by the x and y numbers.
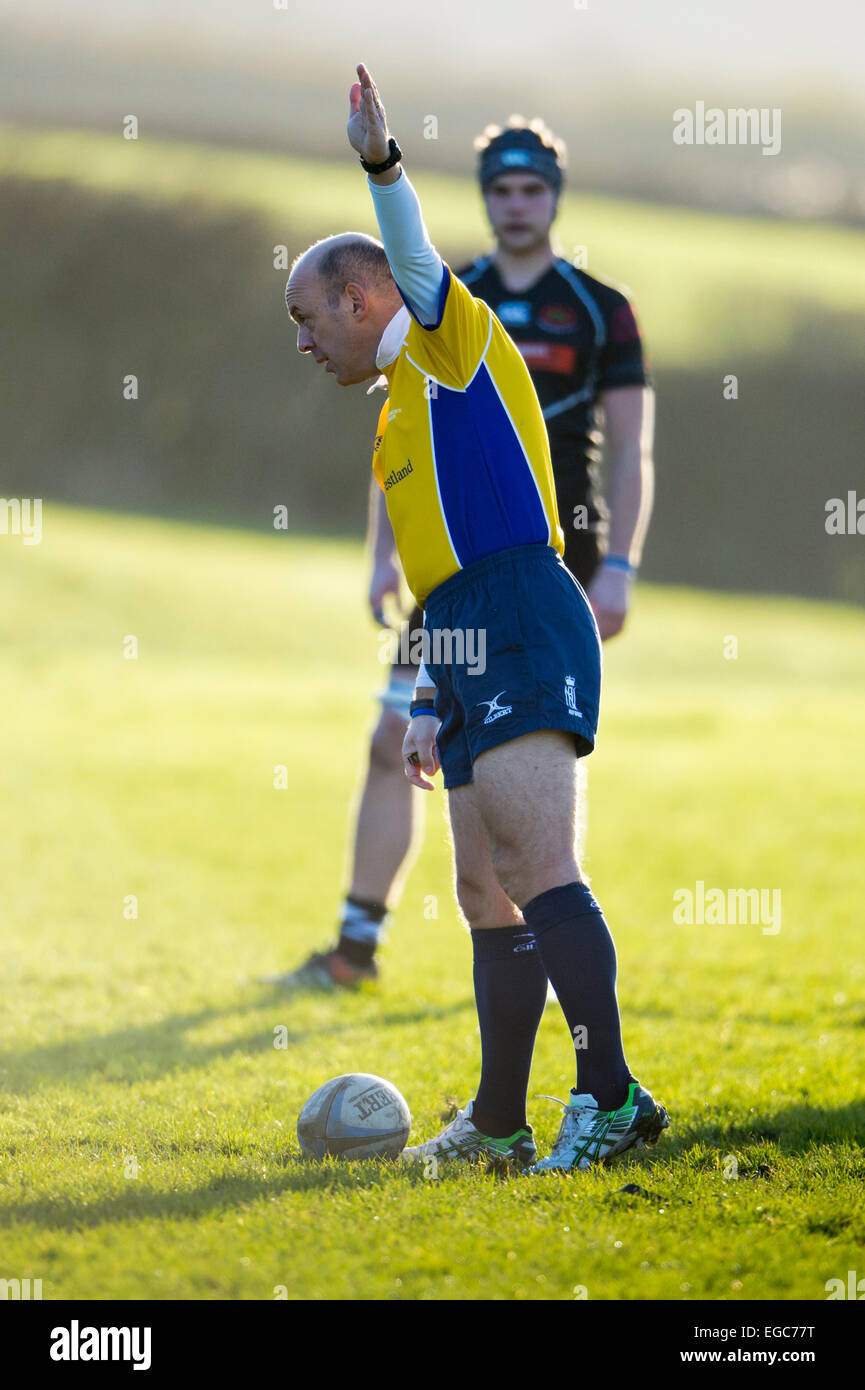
pixel 545 356
pixel 514 311
pixel 558 318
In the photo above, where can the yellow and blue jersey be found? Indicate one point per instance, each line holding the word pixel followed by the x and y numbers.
pixel 461 450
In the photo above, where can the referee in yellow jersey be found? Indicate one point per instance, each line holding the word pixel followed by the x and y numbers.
pixel 462 456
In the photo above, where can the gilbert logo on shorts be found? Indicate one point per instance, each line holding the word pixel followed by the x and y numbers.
pixel 571 697
pixel 495 710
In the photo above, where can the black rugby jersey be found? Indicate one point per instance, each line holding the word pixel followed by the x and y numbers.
pixel 579 338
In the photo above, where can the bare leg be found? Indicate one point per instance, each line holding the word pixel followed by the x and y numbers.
pixel 526 795
pixel 483 901
pixel 387 827
pixel 388 815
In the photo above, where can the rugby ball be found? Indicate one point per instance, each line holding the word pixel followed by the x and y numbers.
pixel 354 1116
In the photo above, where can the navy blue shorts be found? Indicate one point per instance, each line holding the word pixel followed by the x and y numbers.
pixel 513 647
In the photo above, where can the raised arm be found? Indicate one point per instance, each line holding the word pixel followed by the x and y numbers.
pixel 417 267
pixel 421 276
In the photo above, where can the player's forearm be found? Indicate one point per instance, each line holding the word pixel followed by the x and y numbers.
pixel 389 176
pixel 417 266
pixel 630 493
pixel 630 423
pixel 379 532
pixel 424 686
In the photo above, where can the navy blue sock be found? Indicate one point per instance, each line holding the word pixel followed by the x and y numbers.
pixel 511 991
pixel 578 954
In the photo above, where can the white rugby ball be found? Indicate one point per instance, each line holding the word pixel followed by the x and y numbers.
pixel 354 1116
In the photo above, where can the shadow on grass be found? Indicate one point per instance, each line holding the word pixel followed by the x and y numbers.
pixel 795 1131
pixel 147 1052
pixel 793 1128
pixel 696 1011
pixel 226 1191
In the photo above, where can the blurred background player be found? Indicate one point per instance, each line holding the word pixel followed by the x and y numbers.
pixel 580 341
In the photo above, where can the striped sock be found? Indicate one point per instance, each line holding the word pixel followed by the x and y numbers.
pixel 362 927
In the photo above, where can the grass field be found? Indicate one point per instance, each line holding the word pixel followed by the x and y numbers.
pixel 148 1146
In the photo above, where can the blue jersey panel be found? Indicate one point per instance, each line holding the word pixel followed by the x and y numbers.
pixel 489 496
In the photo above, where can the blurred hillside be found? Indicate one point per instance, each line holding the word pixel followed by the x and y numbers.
pixel 175 283
pixel 606 77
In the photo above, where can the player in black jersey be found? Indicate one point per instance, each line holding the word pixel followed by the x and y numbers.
pixel 580 341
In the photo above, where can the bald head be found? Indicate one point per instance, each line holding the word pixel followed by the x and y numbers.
pixel 348 258
pixel 342 295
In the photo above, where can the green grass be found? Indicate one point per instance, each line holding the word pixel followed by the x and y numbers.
pixel 149 1040
pixel 698 277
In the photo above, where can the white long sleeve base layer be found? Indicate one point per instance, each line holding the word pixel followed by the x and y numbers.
pixel 417 268
pixel 416 264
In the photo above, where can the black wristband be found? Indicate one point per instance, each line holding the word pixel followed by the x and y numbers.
pixel 421 706
pixel 393 158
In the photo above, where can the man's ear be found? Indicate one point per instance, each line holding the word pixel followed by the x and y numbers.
pixel 358 300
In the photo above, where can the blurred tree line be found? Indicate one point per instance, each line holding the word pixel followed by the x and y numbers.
pixel 230 422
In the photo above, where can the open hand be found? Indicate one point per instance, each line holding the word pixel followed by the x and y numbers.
pixel 367 122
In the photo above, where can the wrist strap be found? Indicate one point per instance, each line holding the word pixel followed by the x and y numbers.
pixel 619 562
pixel 393 158
pixel 421 707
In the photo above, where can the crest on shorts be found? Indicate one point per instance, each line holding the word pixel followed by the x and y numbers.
pixel 571 697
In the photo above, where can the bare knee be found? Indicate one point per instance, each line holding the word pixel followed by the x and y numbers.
pixel 509 862
pixel 523 876
pixel 483 903
pixel 385 748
